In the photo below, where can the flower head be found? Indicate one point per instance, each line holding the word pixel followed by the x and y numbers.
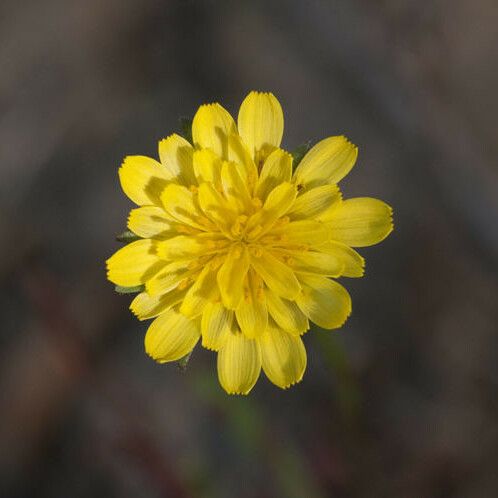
pixel 238 250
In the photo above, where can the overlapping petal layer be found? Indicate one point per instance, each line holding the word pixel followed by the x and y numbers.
pixel 239 251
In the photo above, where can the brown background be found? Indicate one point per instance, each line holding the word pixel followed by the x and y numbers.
pixel 402 401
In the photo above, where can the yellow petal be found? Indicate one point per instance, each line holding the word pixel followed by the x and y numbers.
pixel 176 156
pixel 303 232
pixel 168 278
pixel 252 313
pixel 207 167
pixel 216 324
pixel 216 207
pixel 134 263
pixel 180 203
pixel 315 201
pixel 329 161
pixel 276 205
pixel 277 276
pixel 171 336
pixel 354 264
pixel 361 222
pixel 150 222
pixel 287 314
pixel 143 179
pixel 239 154
pixel 313 262
pixel 280 200
pixel 239 364
pixel 283 356
pixel 184 247
pixel 235 188
pixel 231 276
pixel 145 306
pixel 324 301
pixel 276 169
pixel 261 123
pixel 203 291
pixel 211 127
pixel 252 317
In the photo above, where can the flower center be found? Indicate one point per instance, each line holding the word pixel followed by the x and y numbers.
pixel 238 229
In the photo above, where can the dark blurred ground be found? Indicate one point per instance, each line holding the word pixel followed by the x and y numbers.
pixel 401 402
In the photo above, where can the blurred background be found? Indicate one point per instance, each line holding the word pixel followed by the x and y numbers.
pixel 400 402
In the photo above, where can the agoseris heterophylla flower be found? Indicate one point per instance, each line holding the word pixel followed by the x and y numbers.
pixel 237 249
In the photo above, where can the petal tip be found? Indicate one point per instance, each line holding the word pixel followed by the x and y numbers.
pixel 346 317
pixel 298 381
pixel 208 346
pixel 165 140
pixel 238 393
pixel 262 93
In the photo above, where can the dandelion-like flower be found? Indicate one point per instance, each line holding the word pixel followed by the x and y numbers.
pixel 239 251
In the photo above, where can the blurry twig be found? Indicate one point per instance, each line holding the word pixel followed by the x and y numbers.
pixel 347 389
pixel 256 433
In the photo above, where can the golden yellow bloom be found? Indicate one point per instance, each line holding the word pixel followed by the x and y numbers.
pixel 238 250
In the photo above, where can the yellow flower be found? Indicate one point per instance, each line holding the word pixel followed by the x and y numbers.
pixel 238 250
